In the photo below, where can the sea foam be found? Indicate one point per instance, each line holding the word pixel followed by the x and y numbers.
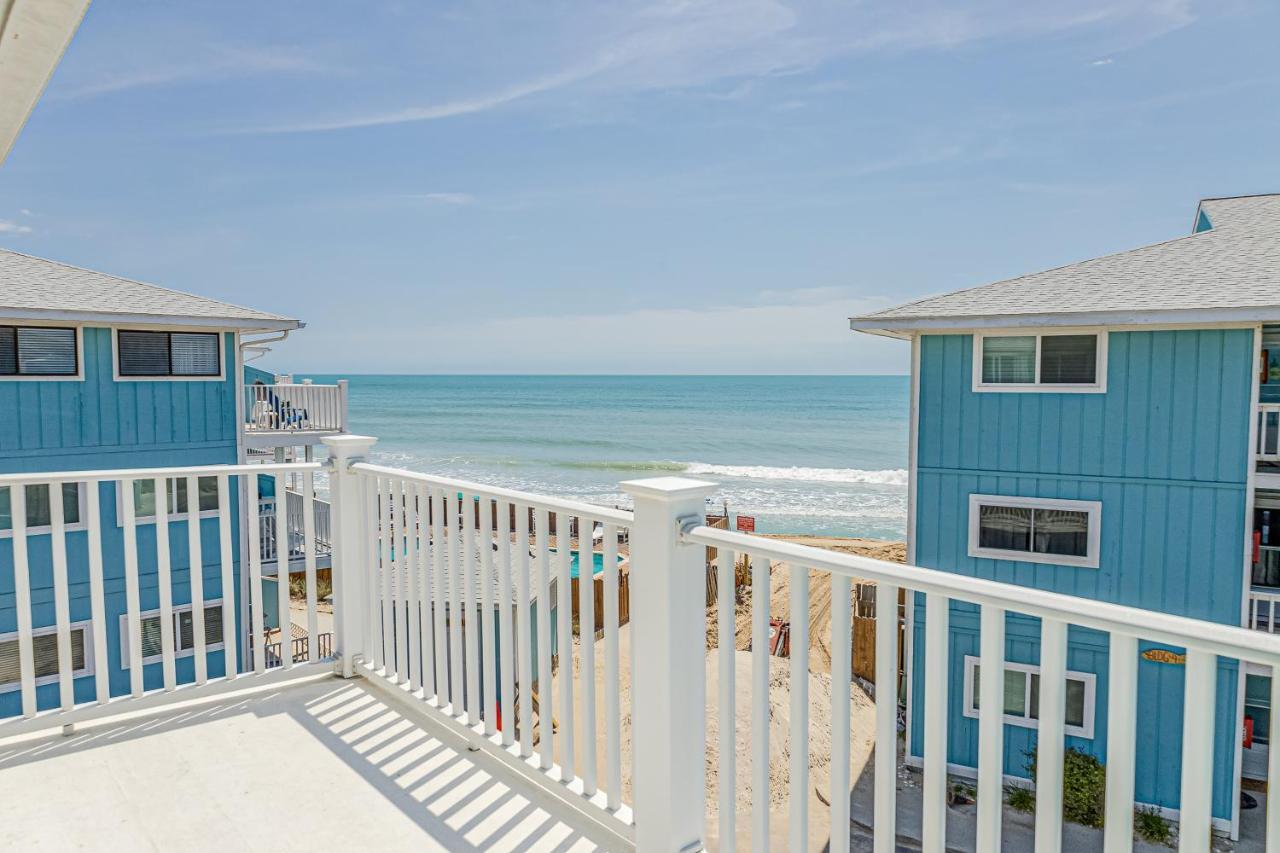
pixel 886 477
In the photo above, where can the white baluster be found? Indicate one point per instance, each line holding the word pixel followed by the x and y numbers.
pixel 230 665
pixel 937 668
pixel 195 573
pixel 309 556
pixel 283 552
pixel 164 583
pixel 523 634
pixel 97 594
pixel 886 771
pixel 1122 731
pixel 612 699
pixel 841 673
pixel 61 598
pixel 505 628
pixel 22 599
pixel 1049 739
pixel 545 712
pixel 1195 812
pixel 564 608
pixel 799 818
pixel 587 651
pixel 991 729
pixel 759 703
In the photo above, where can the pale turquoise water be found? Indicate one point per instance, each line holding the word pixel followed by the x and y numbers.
pixel 804 454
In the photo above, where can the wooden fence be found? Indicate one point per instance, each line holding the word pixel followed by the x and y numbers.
pixel 624 599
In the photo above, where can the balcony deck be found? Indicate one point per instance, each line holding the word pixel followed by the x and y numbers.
pixel 320 765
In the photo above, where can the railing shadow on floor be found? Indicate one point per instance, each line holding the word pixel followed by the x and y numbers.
pixel 456 801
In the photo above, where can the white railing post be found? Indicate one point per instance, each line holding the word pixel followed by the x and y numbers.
pixel 342 405
pixel 349 549
pixel 668 618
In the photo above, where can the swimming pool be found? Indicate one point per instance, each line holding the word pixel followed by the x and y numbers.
pixel 597 563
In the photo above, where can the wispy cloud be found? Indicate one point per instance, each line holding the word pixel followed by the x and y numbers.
pixel 1100 62
pixel 645 45
pixel 446 198
pixel 214 63
pixel 8 226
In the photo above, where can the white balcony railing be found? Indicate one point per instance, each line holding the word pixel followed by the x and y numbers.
pixel 1264 606
pixel 1268 449
pixel 152 573
pixel 268 518
pixel 295 408
pixel 453 601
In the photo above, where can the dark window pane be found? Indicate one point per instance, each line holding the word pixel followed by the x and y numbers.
pixel 1069 359
pixel 1075 703
pixel 1005 527
pixel 212 627
pixel 151 640
pixel 10 673
pixel 1009 360
pixel 8 351
pixel 208 487
pixel 144 353
pixel 47 352
pixel 1060 531
pixel 194 354
pixel 1035 697
pixel 38 507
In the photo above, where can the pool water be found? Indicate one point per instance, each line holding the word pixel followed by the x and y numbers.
pixel 597 564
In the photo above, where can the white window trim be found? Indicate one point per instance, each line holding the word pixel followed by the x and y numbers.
pixel 1089 679
pixel 47 529
pixel 1092 547
pixel 87 670
pixel 177 653
pixel 174 516
pixel 115 354
pixel 1038 387
pixel 78 376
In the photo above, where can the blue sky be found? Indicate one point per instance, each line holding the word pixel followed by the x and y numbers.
pixel 582 187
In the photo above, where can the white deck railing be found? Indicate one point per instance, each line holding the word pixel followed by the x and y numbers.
pixel 443 597
pixel 1268 432
pixel 296 535
pixel 292 408
pixel 107 524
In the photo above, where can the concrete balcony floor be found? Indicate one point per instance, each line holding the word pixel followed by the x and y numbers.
pixel 318 765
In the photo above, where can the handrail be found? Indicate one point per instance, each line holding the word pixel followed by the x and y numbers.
pixel 1227 640
pixel 593 511
pixel 145 473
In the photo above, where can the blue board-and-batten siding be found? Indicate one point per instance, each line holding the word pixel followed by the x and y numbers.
pixel 1165 450
pixel 102 423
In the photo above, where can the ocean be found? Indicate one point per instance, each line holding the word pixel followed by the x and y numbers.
pixel 823 455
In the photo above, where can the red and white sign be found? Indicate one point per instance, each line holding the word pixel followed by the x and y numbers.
pixel 747 523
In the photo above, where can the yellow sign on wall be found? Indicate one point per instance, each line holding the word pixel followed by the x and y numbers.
pixel 1164 656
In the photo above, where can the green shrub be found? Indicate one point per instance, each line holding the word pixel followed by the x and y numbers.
pixel 1084 787
pixel 1020 799
pixel 1150 825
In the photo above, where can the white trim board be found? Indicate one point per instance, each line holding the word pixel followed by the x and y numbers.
pixel 86 671
pixel 78 376
pixel 1093 509
pixel 1098 386
pixel 1089 679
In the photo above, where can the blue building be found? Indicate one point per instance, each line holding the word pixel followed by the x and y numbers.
pixel 1106 429
pixel 101 373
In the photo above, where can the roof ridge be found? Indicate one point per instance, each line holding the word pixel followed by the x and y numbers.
pixel 1038 272
pixel 265 314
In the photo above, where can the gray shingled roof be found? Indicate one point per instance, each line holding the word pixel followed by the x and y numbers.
pixel 1229 272
pixel 33 287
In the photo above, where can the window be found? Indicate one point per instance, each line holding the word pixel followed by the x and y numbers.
pixel 1022 696
pixel 44 649
pixel 1075 362
pixel 144 498
pixel 158 354
pixel 38 352
pixel 39 508
pixel 1035 530
pixel 183 632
